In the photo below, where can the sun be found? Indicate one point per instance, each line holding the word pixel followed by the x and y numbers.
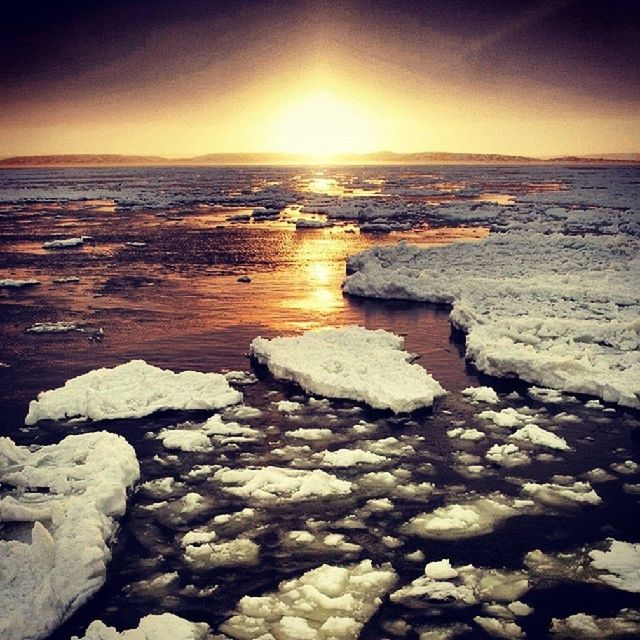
pixel 321 125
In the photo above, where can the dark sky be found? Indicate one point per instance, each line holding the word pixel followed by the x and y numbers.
pixel 83 64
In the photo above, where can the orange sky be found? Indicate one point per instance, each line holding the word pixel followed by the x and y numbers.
pixel 326 82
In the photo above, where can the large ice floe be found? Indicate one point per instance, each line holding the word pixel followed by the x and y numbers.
pixel 154 627
pixel 132 390
pixel 58 521
pixel 557 310
pixel 351 362
pixel 326 603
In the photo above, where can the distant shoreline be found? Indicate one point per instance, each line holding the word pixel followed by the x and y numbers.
pixel 269 159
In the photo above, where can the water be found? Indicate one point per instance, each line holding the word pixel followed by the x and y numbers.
pixel 177 303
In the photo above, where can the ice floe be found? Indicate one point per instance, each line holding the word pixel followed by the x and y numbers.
pixel 474 517
pixel 63 517
pixel 481 394
pixel 132 390
pixel 65 243
pixel 276 484
pixel 153 627
pixel 326 603
pixel 581 625
pixel 444 585
pixel 351 362
pixel 559 311
pixel 11 283
pixel 537 435
pixel 612 562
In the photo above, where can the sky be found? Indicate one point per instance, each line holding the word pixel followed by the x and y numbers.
pixel 189 77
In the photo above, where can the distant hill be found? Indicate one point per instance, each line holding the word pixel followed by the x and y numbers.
pixel 381 157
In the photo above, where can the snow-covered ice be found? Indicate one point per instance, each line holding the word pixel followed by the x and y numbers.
pixel 326 603
pixel 474 517
pixel 581 625
pixel 351 362
pixel 12 283
pixel 77 489
pixel 165 626
pixel 556 310
pixel 276 484
pixel 131 390
pixel 65 243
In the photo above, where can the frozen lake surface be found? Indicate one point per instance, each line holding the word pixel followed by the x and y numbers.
pixel 146 265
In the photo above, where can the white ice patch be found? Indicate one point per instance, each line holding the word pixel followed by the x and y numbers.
pixel 58 561
pixel 472 518
pixel 154 627
pixel 463 586
pixel 11 283
pixel 621 561
pixel 581 625
pixel 555 310
pixel 612 562
pixel 65 243
pixel 326 603
pixel 481 394
pixel 349 458
pixel 562 493
pixel 537 435
pixel 275 484
pixel 351 362
pixel 132 390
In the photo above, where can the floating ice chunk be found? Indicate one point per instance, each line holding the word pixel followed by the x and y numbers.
pixel 325 603
pixel 275 484
pixel 185 440
pixel 562 494
pixel 466 434
pixel 153 627
pixel 611 562
pixel 621 561
pixel 440 570
pixel 463 586
pixel 481 394
pixel 65 243
pixel 52 327
pixel 320 542
pixel 508 417
pixel 473 518
pixel 351 362
pixel 287 406
pixel 536 435
pixel 628 467
pixel 233 553
pixel 444 632
pixel 499 628
pixel 560 311
pixel 309 434
pixel 61 560
pixel 581 625
pixel 132 390
pixel 10 283
pixel 349 458
pixel 550 396
pixel 240 377
pixel 66 280
pixel 507 455
pixel 308 223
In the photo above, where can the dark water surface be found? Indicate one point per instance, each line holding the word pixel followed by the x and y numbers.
pixel 177 303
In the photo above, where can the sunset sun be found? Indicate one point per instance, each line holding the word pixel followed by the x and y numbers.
pixel 320 125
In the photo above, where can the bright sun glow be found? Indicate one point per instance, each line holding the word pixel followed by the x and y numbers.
pixel 321 125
